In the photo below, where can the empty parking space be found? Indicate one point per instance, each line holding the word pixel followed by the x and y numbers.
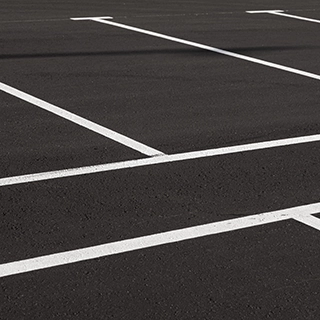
pixel 76 212
pixel 34 140
pixel 171 97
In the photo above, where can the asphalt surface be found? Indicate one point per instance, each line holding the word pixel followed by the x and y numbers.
pixel 174 98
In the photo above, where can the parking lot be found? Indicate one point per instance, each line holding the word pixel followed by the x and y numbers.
pixel 160 160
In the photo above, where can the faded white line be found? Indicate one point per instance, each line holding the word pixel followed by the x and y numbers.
pixel 68 257
pixel 115 136
pixel 280 13
pixel 309 220
pixel 205 47
pixel 157 160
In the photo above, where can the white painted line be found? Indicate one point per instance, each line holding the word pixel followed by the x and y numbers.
pixel 90 18
pixel 309 220
pixel 208 48
pixel 115 136
pixel 280 13
pixel 264 11
pixel 156 160
pixel 68 257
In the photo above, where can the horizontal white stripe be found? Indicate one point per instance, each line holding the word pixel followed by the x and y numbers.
pixel 110 134
pixel 68 257
pixel 264 11
pixel 90 18
pixel 156 160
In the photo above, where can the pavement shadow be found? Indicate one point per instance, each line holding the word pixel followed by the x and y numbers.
pixel 240 50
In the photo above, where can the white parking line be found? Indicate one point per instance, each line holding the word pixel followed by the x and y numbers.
pixel 156 160
pixel 68 257
pixel 280 13
pixel 309 220
pixel 115 136
pixel 205 47
pixel 92 18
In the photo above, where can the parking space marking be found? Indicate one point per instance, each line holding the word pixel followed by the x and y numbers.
pixel 92 18
pixel 162 159
pixel 204 47
pixel 280 13
pixel 309 220
pixel 94 252
pixel 108 133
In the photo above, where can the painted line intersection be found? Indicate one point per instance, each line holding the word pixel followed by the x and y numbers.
pixel 281 13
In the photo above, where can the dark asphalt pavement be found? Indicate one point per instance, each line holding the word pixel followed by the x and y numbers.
pixel 173 98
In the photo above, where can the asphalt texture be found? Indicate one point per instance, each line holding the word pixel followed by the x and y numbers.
pixel 174 98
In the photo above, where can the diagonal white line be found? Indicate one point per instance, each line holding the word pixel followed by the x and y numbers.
pixel 115 136
pixel 156 160
pixel 309 220
pixel 280 13
pixel 205 47
pixel 68 257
